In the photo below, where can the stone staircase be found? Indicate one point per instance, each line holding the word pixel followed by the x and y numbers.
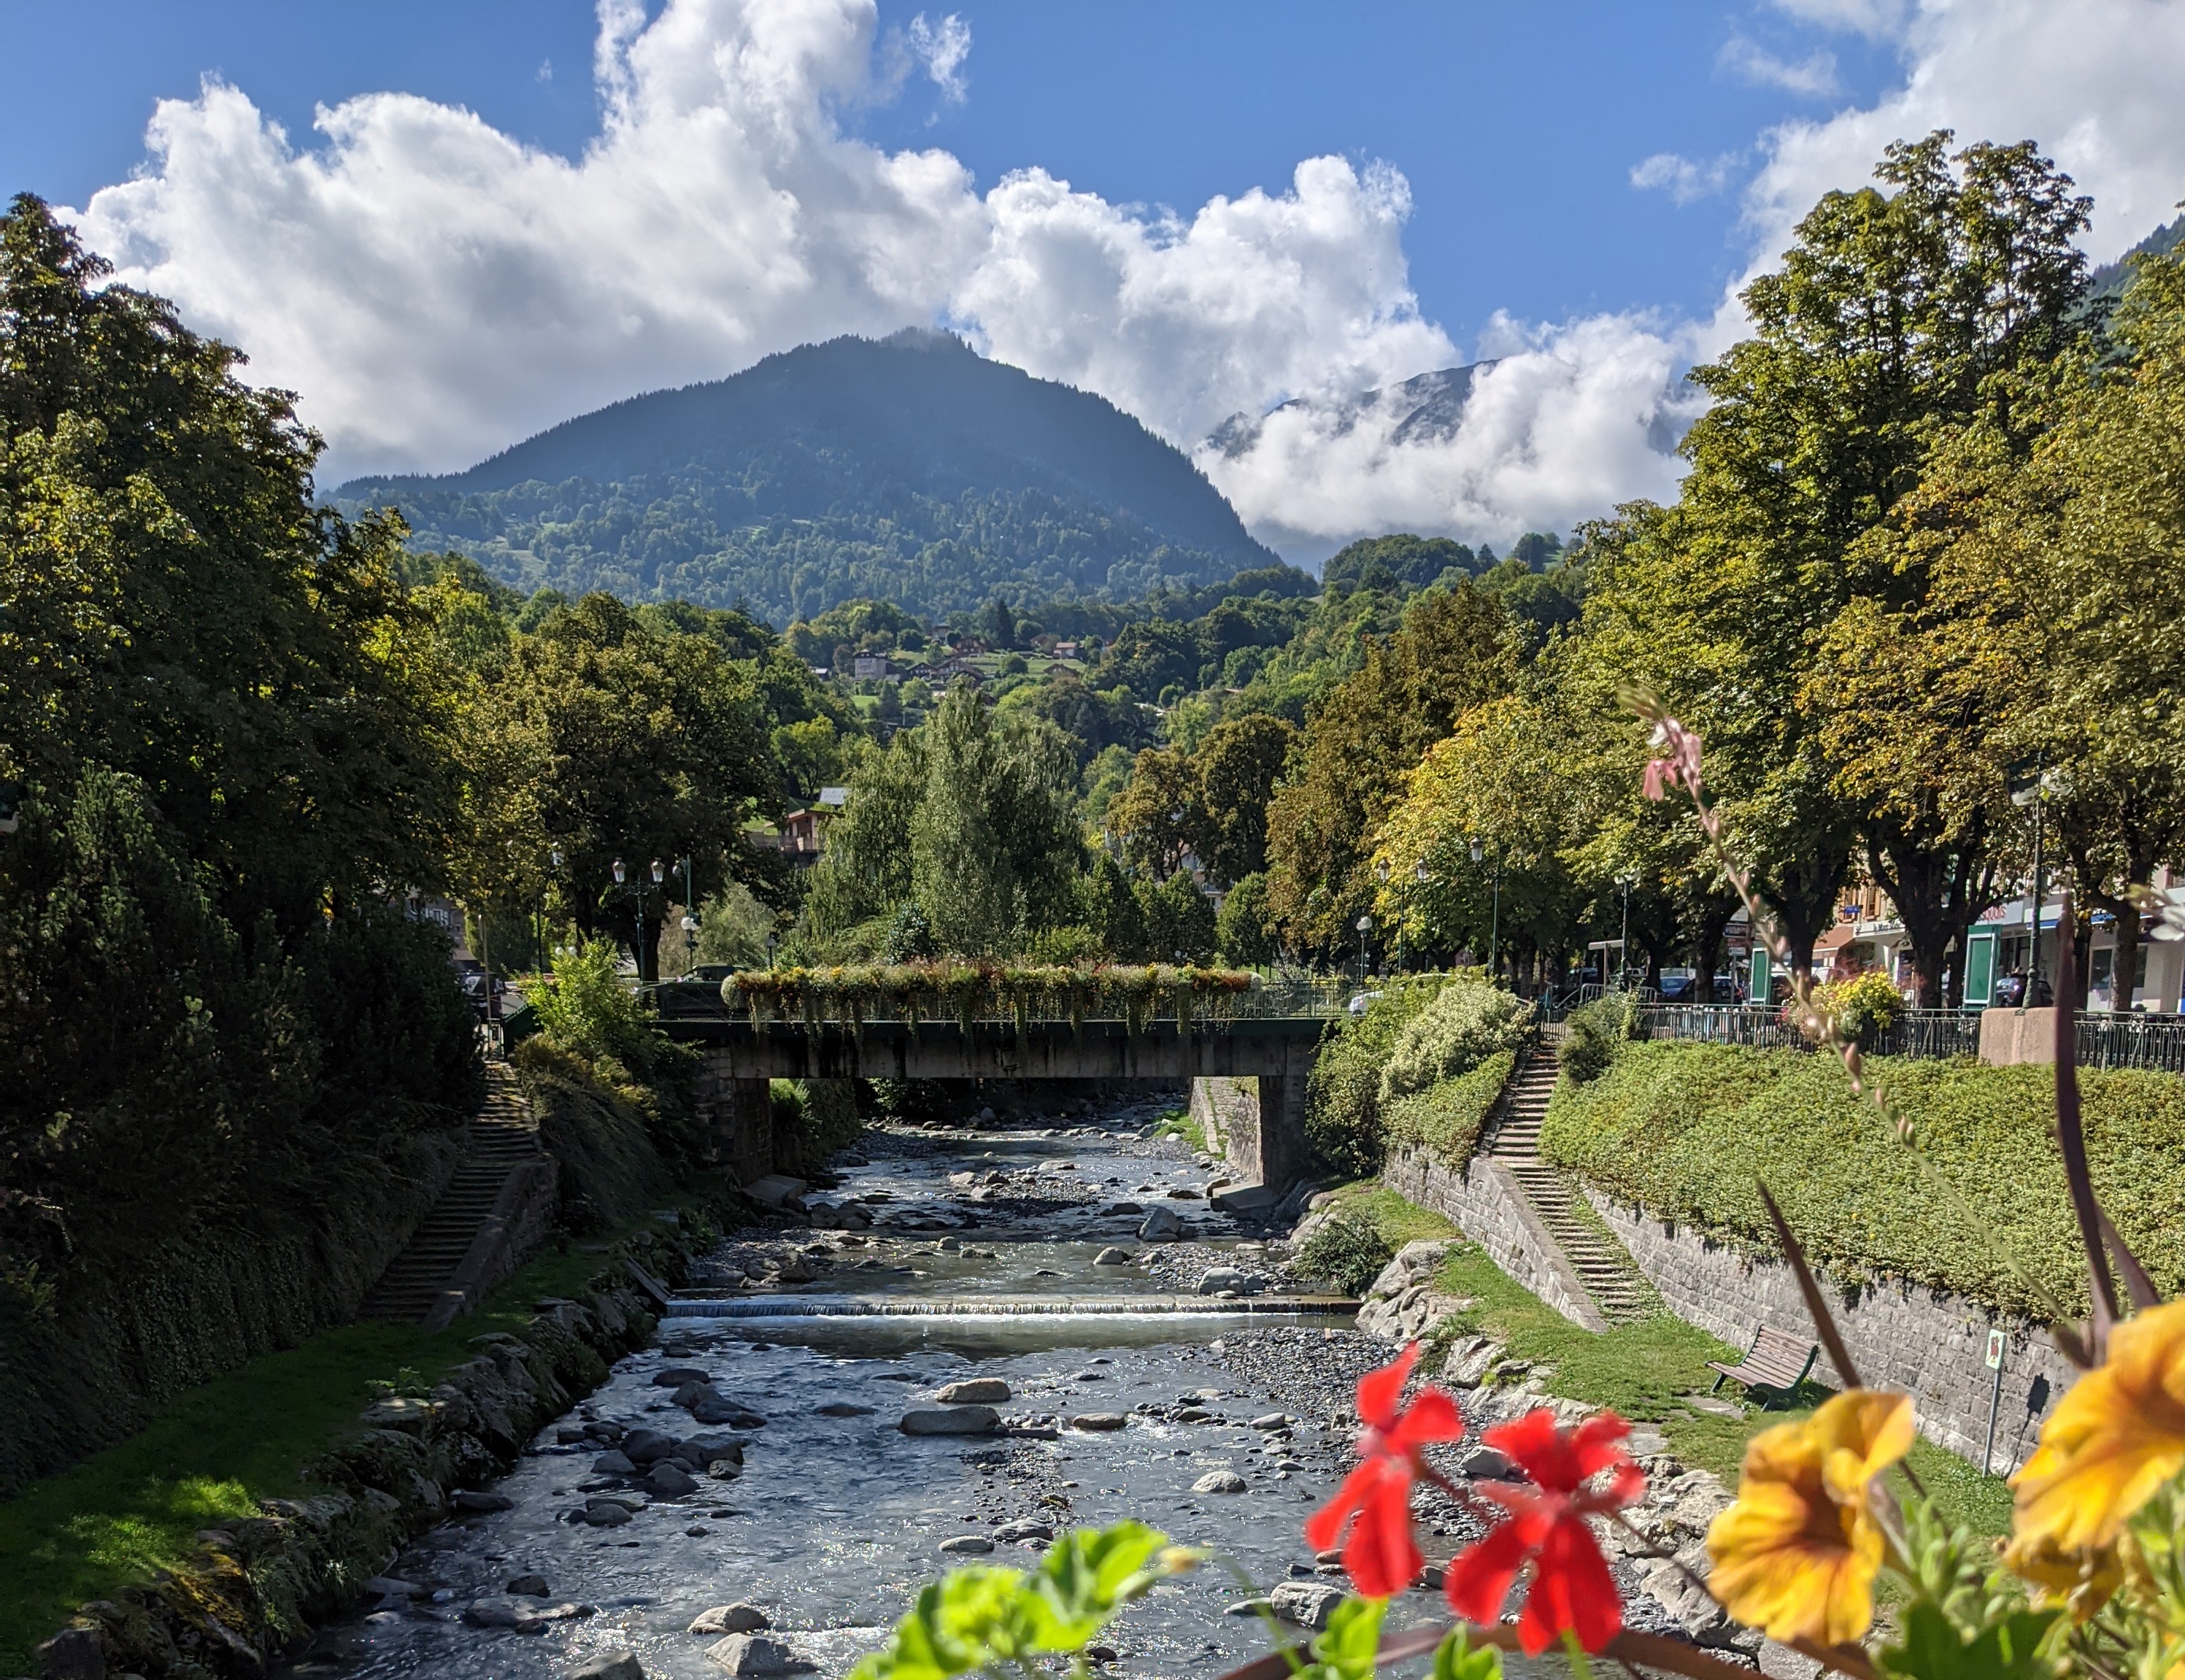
pixel 504 1136
pixel 1617 1286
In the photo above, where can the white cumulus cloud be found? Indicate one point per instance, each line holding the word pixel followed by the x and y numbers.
pixel 435 290
pixel 1812 77
pixel 1684 179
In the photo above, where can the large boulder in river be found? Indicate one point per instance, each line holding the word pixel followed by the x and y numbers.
pixel 973 1391
pixel 1161 1225
pixel 609 1665
pixel 736 1618
pixel 1309 1604
pixel 755 1655
pixel 952 1421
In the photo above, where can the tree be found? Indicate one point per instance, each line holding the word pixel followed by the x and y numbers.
pixel 1894 318
pixel 1451 654
pixel 1237 767
pixel 638 747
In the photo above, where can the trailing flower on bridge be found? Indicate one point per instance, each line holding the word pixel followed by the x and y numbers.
pixel 965 991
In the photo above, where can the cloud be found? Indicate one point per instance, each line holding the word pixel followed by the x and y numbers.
pixel 435 290
pixel 942 47
pixel 2095 81
pixel 1580 417
pixel 1812 77
pixel 1685 181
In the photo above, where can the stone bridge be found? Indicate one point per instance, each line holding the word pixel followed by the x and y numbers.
pixel 1247 1075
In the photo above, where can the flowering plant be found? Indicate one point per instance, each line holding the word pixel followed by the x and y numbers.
pixel 2090 1585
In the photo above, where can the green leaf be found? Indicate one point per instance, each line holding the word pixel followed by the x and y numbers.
pixel 1346 1650
pixel 1933 1649
pixel 1455 1659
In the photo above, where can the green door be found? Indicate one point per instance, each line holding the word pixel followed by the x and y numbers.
pixel 1980 967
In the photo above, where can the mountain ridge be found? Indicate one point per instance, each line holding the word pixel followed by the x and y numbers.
pixel 908 468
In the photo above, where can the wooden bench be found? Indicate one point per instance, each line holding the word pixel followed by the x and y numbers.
pixel 1774 1367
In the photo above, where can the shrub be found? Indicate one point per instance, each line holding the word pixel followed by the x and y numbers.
pixel 1346 1252
pixel 1342 1093
pixel 1243 928
pixel 813 1118
pixel 1593 1031
pixel 1466 1023
pixel 585 1008
pixel 1690 1131
pixel 1864 1005
pixel 1445 1118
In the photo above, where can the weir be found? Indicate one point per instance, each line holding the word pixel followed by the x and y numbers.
pixel 1011 1307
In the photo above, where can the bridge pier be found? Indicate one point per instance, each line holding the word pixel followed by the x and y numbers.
pixel 1255 1124
pixel 739 1113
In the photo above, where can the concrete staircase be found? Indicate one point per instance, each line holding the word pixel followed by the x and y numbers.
pixel 1617 1286
pixel 504 1136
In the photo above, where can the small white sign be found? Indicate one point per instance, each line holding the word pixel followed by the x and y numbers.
pixel 1995 1339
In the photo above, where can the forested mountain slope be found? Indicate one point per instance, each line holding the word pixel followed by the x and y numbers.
pixel 910 470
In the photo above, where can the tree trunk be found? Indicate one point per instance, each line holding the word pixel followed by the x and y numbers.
pixel 1802 893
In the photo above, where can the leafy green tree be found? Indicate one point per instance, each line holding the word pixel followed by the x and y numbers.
pixel 1238 766
pixel 1896 316
pixel 1244 931
pixel 1179 920
pixel 1452 653
pixel 631 746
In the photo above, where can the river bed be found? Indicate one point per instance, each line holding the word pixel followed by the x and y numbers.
pixel 981 1262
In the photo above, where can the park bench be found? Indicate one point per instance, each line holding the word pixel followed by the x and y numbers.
pixel 1775 1365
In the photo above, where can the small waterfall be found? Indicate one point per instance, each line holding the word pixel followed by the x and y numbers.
pixel 1009 1307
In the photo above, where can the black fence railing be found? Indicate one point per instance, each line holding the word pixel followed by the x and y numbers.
pixel 2105 1041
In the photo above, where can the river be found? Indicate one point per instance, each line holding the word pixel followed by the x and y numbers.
pixel 980 1262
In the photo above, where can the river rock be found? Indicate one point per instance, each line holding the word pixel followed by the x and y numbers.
pixel 976 1545
pixel 1248 1607
pixel 752 1653
pixel 1468 1360
pixel 393 1587
pixel 1220 1482
pixel 1027 1530
pixel 606 1514
pixel 609 1665
pixel 1219 1279
pixel 1309 1604
pixel 991 1390
pixel 530 1587
pixel 643 1446
pixel 470 1499
pixel 952 1421
pixel 736 1618
pixel 1161 1225
pixel 671 1481
pixel 843 1409
pixel 613 1463
pixel 718 1409
pixel 1486 1464
pixel 1098 1422
pixel 676 1376
pixel 1272 1420
pixel 1114 1257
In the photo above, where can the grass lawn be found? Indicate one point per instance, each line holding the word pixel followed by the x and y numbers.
pixel 215 1452
pixel 1640 1369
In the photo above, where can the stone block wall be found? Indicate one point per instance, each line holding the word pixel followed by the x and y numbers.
pixel 1485 1202
pixel 1255 1124
pixel 1928 1342
pixel 739 1114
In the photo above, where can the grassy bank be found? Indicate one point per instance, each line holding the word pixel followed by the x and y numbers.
pixel 1641 1370
pixel 215 1452
pixel 1688 1131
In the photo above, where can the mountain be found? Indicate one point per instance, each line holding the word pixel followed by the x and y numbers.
pixel 2110 280
pixel 1422 409
pixel 910 469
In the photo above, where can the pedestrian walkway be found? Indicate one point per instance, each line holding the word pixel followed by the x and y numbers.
pixel 504 1135
pixel 1608 1274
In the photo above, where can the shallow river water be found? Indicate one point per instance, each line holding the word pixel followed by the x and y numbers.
pixel 838 1516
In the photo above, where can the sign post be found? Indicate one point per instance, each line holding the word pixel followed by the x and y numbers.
pixel 1995 1345
pixel 1764 975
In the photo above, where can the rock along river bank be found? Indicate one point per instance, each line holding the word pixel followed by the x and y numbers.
pixel 760 1468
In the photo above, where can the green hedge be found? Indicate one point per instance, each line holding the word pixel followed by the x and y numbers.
pixel 1688 1131
pixel 1444 1118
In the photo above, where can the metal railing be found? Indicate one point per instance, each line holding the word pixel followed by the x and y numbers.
pixel 2153 1041
pixel 2104 1041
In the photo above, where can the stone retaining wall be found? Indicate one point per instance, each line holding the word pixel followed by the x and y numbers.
pixel 260 1584
pixel 1928 1342
pixel 1486 1204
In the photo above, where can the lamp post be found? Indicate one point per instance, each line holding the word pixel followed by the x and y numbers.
pixel 1626 880
pixel 1381 875
pixel 1495 925
pixel 1365 927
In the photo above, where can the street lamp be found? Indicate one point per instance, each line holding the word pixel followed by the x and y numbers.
pixel 1626 880
pixel 1365 927
pixel 1495 927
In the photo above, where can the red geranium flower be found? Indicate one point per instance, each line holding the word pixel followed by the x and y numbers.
pixel 1571 1587
pixel 1382 1557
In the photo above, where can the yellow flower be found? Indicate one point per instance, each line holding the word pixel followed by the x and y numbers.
pixel 2114 1439
pixel 1797 1555
pixel 2079 1581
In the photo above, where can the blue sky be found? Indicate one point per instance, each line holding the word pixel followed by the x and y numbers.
pixel 446 226
pixel 1517 125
